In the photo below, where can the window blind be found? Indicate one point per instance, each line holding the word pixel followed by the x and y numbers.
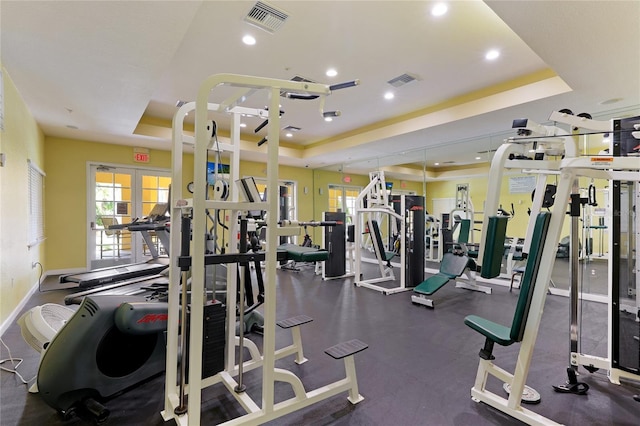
pixel 36 204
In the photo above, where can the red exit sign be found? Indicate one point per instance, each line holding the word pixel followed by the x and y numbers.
pixel 141 155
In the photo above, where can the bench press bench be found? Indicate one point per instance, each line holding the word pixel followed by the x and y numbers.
pixel 296 253
pixel 451 267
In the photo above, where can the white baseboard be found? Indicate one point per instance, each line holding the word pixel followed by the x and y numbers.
pixel 64 271
pixel 14 315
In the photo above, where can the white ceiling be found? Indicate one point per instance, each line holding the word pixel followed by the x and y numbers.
pixel 101 66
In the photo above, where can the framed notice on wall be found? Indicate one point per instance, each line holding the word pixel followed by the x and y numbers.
pixel 522 184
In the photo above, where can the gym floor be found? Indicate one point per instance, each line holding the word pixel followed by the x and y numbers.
pixel 418 370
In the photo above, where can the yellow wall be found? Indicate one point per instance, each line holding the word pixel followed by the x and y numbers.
pixel 20 141
pixel 517 227
pixel 66 193
pixel 478 193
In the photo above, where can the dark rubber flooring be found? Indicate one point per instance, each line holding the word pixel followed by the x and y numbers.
pixel 418 370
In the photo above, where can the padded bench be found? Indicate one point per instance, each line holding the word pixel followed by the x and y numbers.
pixel 304 254
pixel 451 267
pixel 296 253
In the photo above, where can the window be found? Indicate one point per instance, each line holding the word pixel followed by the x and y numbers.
pixel 36 205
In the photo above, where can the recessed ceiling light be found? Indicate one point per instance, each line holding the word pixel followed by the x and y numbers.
pixel 249 40
pixel 328 119
pixel 331 72
pixel 439 9
pixel 478 158
pixel 289 135
pixel 492 54
pixel 243 124
pixel 436 164
pixel 389 95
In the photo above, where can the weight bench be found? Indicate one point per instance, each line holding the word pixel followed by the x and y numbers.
pixel 451 267
pixel 296 253
pixel 503 335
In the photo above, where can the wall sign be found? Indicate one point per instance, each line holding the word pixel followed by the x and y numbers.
pixel 522 184
pixel 141 155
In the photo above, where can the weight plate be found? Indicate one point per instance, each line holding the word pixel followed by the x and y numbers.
pixel 529 395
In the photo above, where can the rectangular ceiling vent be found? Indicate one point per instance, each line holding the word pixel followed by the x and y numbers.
pixel 291 129
pixel 285 93
pixel 403 79
pixel 266 17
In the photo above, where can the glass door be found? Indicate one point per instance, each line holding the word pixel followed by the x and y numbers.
pixel 120 196
pixel 112 206
pixel 343 199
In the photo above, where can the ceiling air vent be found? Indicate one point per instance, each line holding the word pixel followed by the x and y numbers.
pixel 266 17
pixel 291 129
pixel 403 79
pixel 285 93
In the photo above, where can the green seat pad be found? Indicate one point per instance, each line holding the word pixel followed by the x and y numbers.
pixel 304 254
pixel 496 332
pixel 432 284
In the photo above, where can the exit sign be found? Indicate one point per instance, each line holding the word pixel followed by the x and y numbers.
pixel 141 155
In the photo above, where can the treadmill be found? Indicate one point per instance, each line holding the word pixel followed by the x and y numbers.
pixel 158 222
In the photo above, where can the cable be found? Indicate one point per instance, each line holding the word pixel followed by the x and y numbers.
pixel 15 365
pixel 40 277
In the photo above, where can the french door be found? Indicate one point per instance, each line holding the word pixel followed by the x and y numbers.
pixel 120 195
pixel 343 199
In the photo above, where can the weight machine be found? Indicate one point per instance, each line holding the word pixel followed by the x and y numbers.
pixel 188 411
pixel 373 206
pixel 555 142
pixel 623 265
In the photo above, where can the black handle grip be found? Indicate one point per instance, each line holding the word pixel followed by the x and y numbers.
pixel 186 236
pixel 344 85
pixel 261 126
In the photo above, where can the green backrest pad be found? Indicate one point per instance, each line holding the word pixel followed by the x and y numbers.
pixel 454 265
pixel 494 247
pixel 465 229
pixel 530 275
pixel 384 255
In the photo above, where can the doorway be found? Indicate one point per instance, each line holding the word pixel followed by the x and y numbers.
pixel 120 195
